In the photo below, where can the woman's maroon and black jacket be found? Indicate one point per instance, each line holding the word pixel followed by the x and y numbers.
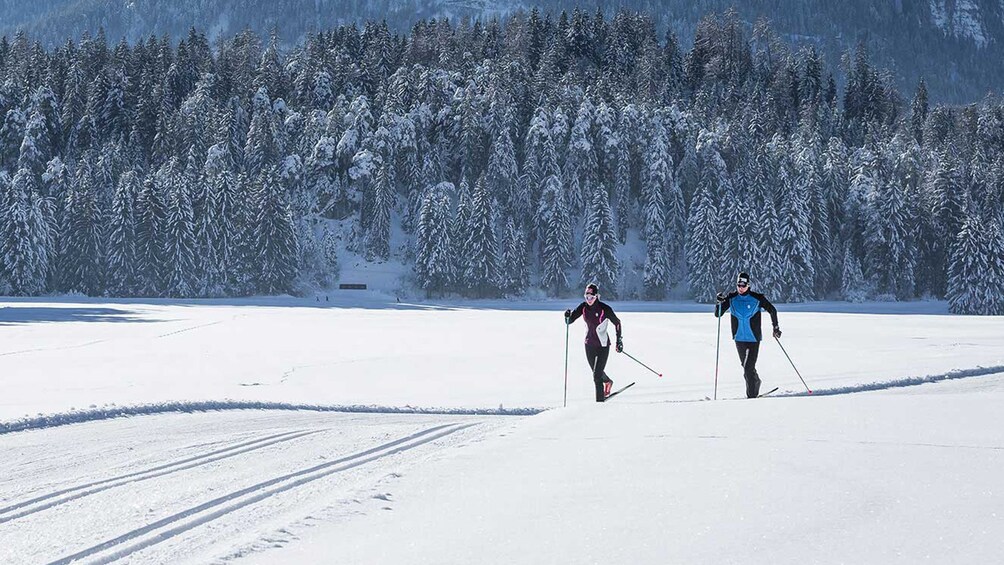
pixel 598 318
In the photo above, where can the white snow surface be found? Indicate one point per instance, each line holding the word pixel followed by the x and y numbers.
pixel 354 428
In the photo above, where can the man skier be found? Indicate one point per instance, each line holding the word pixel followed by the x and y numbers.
pixel 746 306
pixel 598 317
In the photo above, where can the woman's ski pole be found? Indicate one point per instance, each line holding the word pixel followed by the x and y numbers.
pixel 642 364
pixel 793 366
pixel 718 345
pixel 565 402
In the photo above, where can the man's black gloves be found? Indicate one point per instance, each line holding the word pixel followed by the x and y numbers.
pixel 568 317
pixel 620 344
pixel 777 332
pixel 721 296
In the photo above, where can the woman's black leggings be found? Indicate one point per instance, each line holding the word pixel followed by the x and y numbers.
pixel 597 357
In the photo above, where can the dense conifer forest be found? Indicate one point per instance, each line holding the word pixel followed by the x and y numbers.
pixel 493 158
pixel 956 45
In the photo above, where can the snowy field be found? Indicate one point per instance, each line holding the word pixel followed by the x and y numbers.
pixel 423 442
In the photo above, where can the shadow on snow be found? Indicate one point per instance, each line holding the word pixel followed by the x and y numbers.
pixel 17 314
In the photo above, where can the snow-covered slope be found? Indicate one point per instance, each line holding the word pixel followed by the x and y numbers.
pixel 872 468
pixel 964 19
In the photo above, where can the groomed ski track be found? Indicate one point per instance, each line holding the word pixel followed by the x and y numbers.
pixel 222 463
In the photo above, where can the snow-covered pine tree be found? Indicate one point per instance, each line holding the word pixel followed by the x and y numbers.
pixel 808 167
pixel 608 142
pixel 34 153
pixel 11 137
pixel 974 272
pixel 515 274
pixel 459 236
pixel 852 280
pixel 704 246
pixel 23 235
pixel 329 247
pixel 151 226
pixel 599 244
pixel 660 173
pixel 891 243
pixel 554 233
pixel 378 228
pixel 622 190
pixel 704 257
pixel 866 170
pixel 470 142
pixel 82 253
pixel 501 175
pixel 179 233
pixel 581 168
pixel 242 275
pixel 764 265
pixel 113 115
pixel 45 104
pixel 794 237
pixel 122 237
pixel 214 229
pixel 655 230
pixel 541 160
pixel 433 262
pixel 55 179
pixel 948 200
pixel 537 135
pixel 274 238
pixel 481 271
pixel 261 151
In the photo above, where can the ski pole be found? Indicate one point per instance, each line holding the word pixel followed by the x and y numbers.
pixel 718 345
pixel 793 365
pixel 565 402
pixel 640 363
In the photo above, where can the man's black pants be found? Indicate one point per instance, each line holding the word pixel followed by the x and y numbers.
pixel 597 357
pixel 748 351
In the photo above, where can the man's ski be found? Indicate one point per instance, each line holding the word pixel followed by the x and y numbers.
pixel 768 392
pixel 618 391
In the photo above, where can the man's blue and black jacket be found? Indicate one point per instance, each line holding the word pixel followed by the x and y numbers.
pixel 746 310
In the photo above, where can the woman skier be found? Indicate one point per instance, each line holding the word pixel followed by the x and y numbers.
pixel 598 317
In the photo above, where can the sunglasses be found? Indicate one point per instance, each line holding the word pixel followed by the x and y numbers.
pixel 589 296
pixel 741 285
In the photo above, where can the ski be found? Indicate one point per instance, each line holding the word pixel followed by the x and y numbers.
pixel 768 392
pixel 618 391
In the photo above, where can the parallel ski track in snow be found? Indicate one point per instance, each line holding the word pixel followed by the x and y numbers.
pixel 171 526
pixel 62 496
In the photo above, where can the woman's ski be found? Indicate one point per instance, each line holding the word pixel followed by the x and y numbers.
pixel 618 391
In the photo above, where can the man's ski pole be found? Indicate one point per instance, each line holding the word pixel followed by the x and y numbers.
pixel 642 364
pixel 718 345
pixel 565 402
pixel 793 366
